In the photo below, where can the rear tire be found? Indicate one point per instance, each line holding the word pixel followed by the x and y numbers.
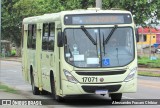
pixel 44 92
pixel 35 89
pixel 116 97
pixel 53 91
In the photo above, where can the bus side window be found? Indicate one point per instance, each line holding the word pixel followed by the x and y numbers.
pixel 29 39
pixel 45 36
pixel 33 36
pixel 51 36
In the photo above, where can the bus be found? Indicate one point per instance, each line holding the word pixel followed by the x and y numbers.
pixel 90 51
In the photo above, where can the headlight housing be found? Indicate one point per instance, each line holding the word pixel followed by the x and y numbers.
pixel 131 74
pixel 70 77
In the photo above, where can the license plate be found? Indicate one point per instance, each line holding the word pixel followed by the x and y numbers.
pixel 101 92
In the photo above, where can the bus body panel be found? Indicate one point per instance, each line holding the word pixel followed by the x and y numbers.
pixel 76 89
pixel 24 55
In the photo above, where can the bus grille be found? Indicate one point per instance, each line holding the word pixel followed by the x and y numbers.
pixel 102 73
pixel 110 88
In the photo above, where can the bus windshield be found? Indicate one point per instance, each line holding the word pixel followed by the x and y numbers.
pixel 81 52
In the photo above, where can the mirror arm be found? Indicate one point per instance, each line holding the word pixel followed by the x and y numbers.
pixel 137 35
pixel 60 39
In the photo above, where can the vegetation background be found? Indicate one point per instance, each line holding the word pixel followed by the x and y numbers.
pixel 13 11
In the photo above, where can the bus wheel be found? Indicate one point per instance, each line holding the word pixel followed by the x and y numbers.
pixel 116 97
pixel 53 91
pixel 35 89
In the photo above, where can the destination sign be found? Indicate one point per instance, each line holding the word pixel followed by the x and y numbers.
pixel 97 19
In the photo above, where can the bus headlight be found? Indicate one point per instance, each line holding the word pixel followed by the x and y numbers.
pixel 69 77
pixel 131 74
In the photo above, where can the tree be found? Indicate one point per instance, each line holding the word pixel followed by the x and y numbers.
pixel 8 28
pixel 157 8
pixel 141 9
pixel 13 11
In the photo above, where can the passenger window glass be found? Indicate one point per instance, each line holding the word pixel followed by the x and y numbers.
pixel 29 40
pixel 33 36
pixel 51 36
pixel 45 36
pixel 48 36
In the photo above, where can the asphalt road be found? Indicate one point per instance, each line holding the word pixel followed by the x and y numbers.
pixel 148 88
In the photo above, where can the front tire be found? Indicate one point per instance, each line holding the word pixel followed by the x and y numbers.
pixel 53 91
pixel 35 89
pixel 116 97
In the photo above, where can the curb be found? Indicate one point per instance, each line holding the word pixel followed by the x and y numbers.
pixel 149 70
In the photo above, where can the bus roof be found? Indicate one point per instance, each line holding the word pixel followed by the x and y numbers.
pixel 50 17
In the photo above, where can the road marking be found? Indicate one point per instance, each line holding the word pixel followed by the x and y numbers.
pixel 127 97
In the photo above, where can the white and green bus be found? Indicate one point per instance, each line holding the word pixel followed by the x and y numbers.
pixel 77 52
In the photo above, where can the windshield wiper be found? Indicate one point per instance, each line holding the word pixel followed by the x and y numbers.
pixel 88 35
pixel 110 34
pixel 103 45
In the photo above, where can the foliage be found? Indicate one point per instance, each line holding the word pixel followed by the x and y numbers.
pixel 13 11
pixel 149 63
pixel 13 52
pixel 9 22
pixel 142 9
pixel 152 74
pixel 7 89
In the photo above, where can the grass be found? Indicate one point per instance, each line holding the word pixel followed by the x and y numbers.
pixel 7 89
pixel 149 63
pixel 152 74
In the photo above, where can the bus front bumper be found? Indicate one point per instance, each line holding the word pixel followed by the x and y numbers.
pixel 82 88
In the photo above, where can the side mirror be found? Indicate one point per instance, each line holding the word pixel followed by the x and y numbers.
pixel 60 39
pixel 137 35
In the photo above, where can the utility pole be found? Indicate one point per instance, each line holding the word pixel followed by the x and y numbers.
pixel 142 40
pixel 0 24
pixel 150 42
pixel 0 34
pixel 99 4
